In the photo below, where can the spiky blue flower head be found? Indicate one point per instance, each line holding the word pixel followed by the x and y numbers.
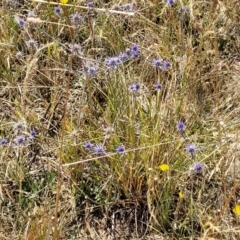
pixel 170 2
pixel 99 149
pixel 113 62
pixel 158 63
pixel 166 65
pixel 120 149
pixel 3 141
pixel 76 19
pixel 58 10
pixel 133 88
pixel 135 51
pixel 198 167
pixel 20 21
pixel 91 70
pixel 33 133
pixel 181 126
pixel 88 146
pixel 20 140
pixel 90 4
pixel 191 148
pixel 158 86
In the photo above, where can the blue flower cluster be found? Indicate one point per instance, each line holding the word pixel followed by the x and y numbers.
pixel 116 61
pixel 159 63
pixel 191 148
pixel 99 149
pixel 19 140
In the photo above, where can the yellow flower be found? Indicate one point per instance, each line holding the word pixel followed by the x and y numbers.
pixel 180 194
pixel 236 209
pixel 64 1
pixel 164 167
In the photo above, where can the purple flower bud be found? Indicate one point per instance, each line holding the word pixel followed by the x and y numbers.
pixel 88 146
pixel 158 86
pixel 166 65
pixel 191 148
pixel 90 4
pixel 20 140
pixel 20 21
pixel 197 167
pixel 158 63
pixel 33 133
pixel 113 62
pixel 76 19
pixel 134 87
pixel 58 10
pixel 170 2
pixel 91 70
pixel 181 127
pixel 135 51
pixel 120 149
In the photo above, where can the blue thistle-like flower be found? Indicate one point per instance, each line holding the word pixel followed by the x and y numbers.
pixel 198 167
pixel 170 2
pixel 58 10
pixel 181 126
pixel 135 51
pixel 120 149
pixel 99 149
pixel 166 65
pixel 20 21
pixel 134 87
pixel 20 140
pixel 90 4
pixel 88 146
pixel 191 148
pixel 76 19
pixel 113 62
pixel 158 86
pixel 33 133
pixel 3 141
pixel 158 63
pixel 91 70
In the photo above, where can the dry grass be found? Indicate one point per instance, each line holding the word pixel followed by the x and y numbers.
pixel 52 187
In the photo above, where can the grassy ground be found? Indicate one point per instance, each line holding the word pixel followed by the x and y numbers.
pixel 119 120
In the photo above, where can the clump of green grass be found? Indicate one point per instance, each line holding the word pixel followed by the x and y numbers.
pixel 119 119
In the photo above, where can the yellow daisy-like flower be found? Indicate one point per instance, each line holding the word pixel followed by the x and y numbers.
pixel 64 1
pixel 164 167
pixel 236 209
pixel 180 194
